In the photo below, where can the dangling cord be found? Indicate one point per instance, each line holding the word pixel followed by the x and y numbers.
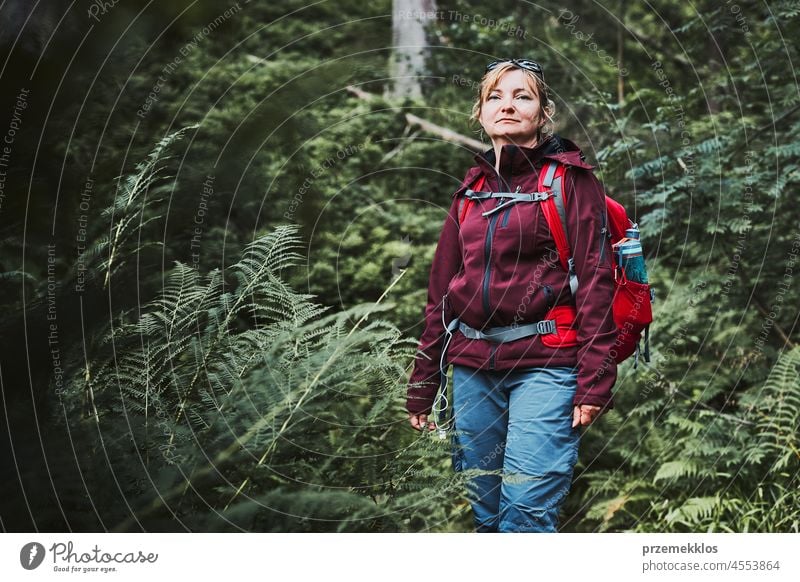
pixel 441 403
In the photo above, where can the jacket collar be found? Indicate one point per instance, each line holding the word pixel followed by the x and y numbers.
pixel 519 160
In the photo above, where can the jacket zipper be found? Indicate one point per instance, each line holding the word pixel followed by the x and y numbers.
pixel 505 217
pixel 487 271
pixel 507 211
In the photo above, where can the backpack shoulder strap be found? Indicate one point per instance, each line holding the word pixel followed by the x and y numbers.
pixel 551 178
pixel 465 203
pixel 554 208
pixel 618 221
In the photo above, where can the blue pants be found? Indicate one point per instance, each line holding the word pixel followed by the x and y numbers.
pixel 519 424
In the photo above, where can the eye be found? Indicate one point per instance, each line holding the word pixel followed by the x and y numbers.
pixel 524 96
pixel 493 96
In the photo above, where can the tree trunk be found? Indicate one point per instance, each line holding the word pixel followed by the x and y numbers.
pixel 409 45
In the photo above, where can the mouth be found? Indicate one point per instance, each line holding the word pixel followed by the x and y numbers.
pixel 507 119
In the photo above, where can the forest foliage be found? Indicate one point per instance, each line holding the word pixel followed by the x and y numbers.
pixel 215 259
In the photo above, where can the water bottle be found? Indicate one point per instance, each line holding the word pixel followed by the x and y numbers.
pixel 629 257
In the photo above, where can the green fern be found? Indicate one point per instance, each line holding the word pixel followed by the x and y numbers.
pixel 133 207
pixel 712 472
pixel 693 512
pixel 231 383
pixel 777 410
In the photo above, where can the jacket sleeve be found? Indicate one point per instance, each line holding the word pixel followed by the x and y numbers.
pixel 425 378
pixel 591 250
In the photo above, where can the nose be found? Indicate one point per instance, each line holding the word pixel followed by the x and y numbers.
pixel 507 104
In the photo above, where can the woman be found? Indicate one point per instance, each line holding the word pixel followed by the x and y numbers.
pixel 521 389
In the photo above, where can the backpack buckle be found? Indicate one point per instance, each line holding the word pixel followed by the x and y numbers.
pixel 546 326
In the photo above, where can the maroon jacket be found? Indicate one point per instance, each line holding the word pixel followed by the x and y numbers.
pixel 503 270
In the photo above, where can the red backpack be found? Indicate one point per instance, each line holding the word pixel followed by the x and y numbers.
pixel 633 312
pixel 632 300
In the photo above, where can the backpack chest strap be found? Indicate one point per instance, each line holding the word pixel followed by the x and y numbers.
pixel 510 197
pixel 520 196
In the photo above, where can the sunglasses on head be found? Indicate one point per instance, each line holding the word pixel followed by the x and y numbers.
pixel 526 64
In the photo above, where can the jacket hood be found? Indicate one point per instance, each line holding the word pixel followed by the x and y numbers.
pixel 519 159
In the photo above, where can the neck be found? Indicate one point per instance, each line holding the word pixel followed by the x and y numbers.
pixel 499 143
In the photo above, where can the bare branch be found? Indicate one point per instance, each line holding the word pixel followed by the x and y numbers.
pixel 429 126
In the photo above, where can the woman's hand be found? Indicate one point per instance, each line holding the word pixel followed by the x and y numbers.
pixel 585 414
pixel 418 421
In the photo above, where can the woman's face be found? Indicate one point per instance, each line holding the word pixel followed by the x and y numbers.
pixel 512 111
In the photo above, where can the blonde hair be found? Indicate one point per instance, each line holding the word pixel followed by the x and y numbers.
pixel 547 109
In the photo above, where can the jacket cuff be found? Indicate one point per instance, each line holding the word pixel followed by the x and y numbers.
pixel 420 397
pixel 605 401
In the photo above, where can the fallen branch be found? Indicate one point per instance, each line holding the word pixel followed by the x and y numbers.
pixel 428 126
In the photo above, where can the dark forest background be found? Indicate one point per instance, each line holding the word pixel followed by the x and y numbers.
pixel 216 228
